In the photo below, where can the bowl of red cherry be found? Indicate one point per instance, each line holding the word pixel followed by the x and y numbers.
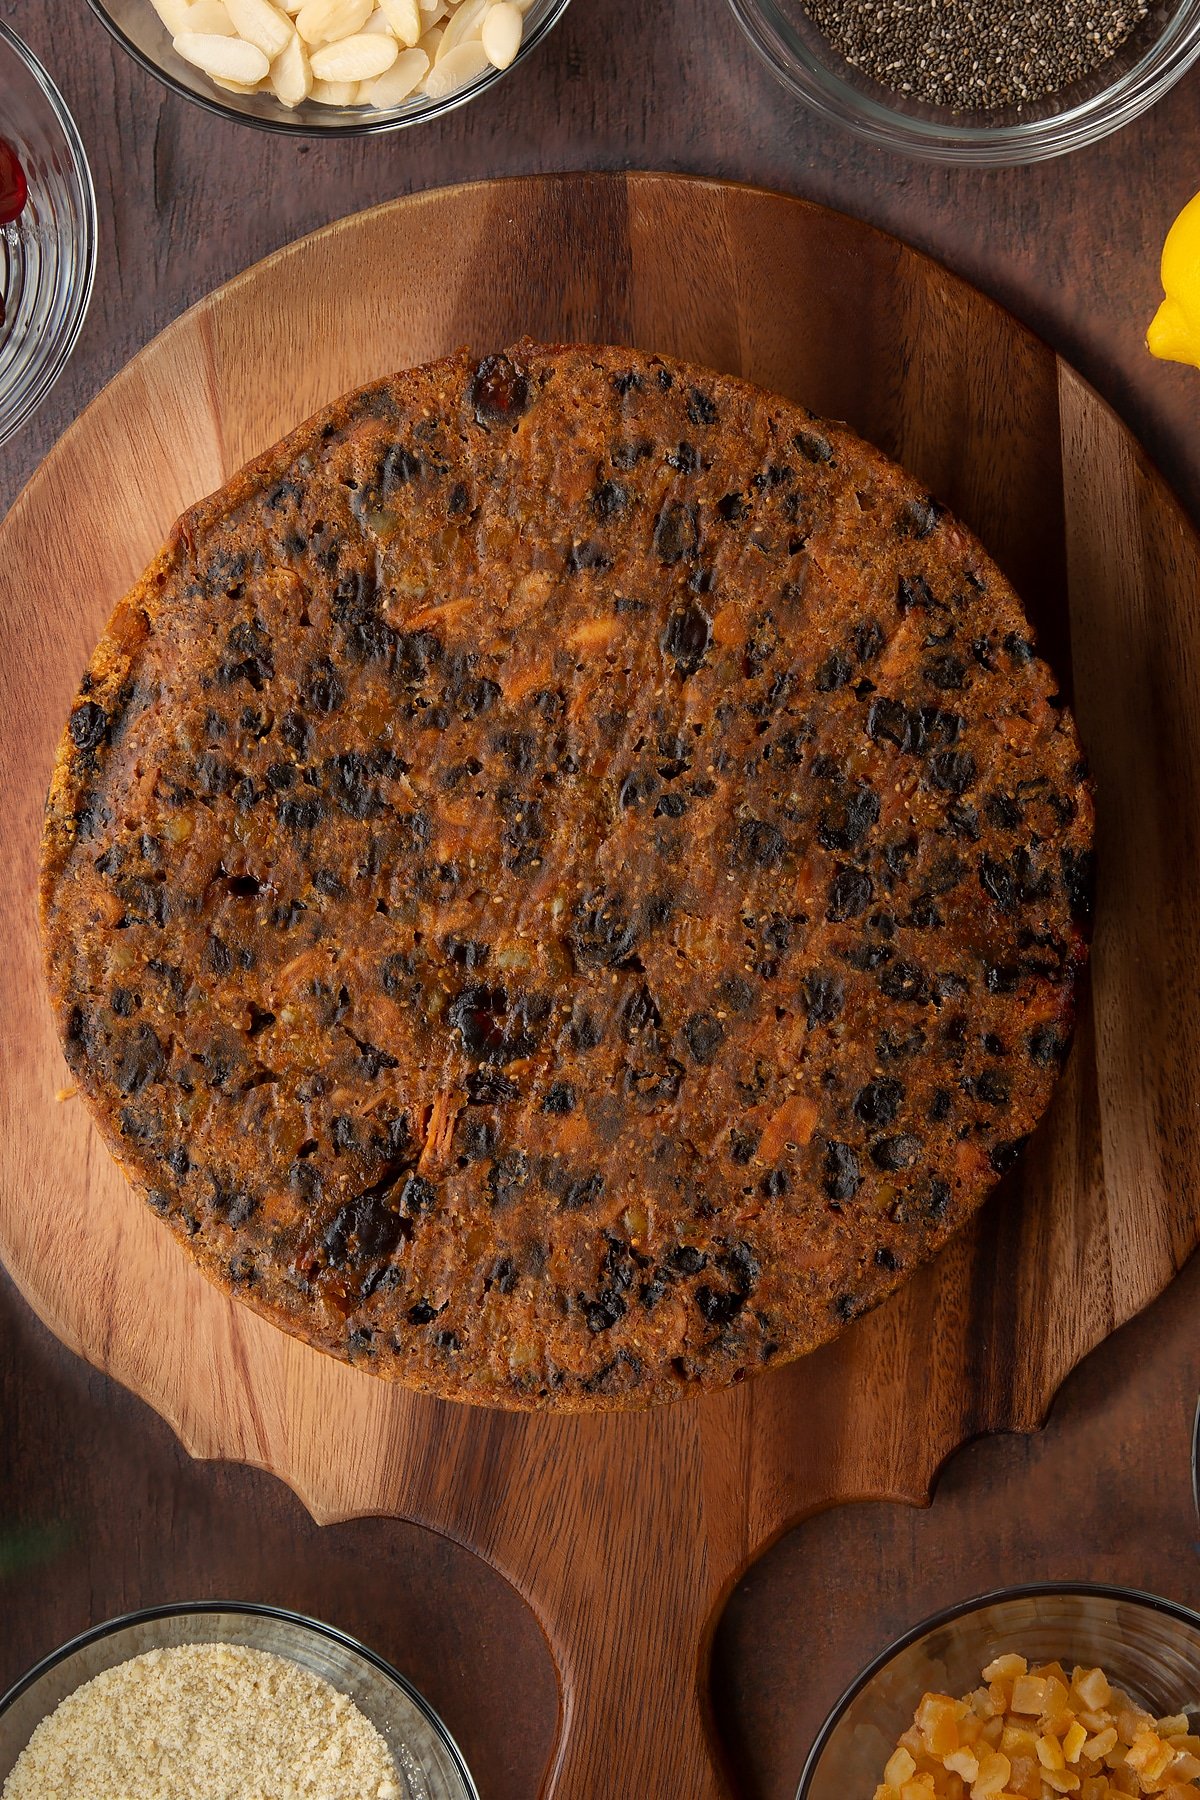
pixel 47 233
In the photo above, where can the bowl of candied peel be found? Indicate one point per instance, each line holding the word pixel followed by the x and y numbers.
pixel 1023 1695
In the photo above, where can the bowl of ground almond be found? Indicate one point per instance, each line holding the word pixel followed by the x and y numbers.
pixel 996 82
pixel 226 1702
pixel 1023 1695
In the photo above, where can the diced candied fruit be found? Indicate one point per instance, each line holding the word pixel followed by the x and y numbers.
pixel 1091 1685
pixel 1074 1741
pixel 994 1771
pixel 1006 1668
pixel 1033 1734
pixel 901 1767
pixel 1050 1752
pixel 1028 1694
pixel 937 1717
pixel 1026 1777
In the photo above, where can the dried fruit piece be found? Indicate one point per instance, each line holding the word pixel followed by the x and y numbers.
pixel 14 189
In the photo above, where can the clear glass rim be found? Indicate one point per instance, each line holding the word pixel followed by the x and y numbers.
pixel 48 375
pixel 1093 1590
pixel 370 125
pixel 247 1609
pixel 1165 60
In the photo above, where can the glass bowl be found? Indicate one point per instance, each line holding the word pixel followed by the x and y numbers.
pixel 139 30
pixel 48 255
pixel 1148 1647
pixel 1160 50
pixel 428 1762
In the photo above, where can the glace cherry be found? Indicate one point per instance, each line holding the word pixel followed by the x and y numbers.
pixel 14 189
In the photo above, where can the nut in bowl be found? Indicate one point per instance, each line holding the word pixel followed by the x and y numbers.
pixel 1064 1690
pixel 320 66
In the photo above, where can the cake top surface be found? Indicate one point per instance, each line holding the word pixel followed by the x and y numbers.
pixel 565 880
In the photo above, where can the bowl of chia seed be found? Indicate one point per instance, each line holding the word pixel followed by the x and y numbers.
pixel 992 82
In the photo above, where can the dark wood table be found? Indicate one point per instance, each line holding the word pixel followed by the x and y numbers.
pixel 100 1510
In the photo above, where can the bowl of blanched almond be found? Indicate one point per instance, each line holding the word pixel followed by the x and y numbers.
pixel 317 66
pixel 1023 1695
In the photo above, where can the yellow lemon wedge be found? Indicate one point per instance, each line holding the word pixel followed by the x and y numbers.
pixel 1174 332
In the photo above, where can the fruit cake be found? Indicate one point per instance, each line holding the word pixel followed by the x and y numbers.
pixel 565 881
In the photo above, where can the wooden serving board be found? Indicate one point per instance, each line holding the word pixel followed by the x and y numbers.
pixel 625 1533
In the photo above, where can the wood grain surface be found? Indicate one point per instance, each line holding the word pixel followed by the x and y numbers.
pixel 100 1509
pixel 625 1534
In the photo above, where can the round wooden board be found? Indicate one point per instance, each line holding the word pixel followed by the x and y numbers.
pixel 625 1533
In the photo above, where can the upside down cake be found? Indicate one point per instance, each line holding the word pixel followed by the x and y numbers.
pixel 566 878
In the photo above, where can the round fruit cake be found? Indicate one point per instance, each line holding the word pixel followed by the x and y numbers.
pixel 564 882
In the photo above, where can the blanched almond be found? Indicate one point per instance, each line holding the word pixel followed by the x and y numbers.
pixel 455 69
pixel 346 52
pixel 209 17
pixel 398 82
pixel 501 34
pixel 231 58
pixel 173 13
pixel 404 17
pixel 335 93
pixel 359 58
pixel 291 73
pixel 464 23
pixel 324 21
pixel 261 24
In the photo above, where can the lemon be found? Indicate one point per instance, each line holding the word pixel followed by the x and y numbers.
pixel 1174 332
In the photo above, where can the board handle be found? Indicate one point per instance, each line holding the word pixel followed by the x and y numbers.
pixel 635 1717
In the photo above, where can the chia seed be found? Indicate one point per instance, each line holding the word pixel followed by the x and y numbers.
pixel 977 55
